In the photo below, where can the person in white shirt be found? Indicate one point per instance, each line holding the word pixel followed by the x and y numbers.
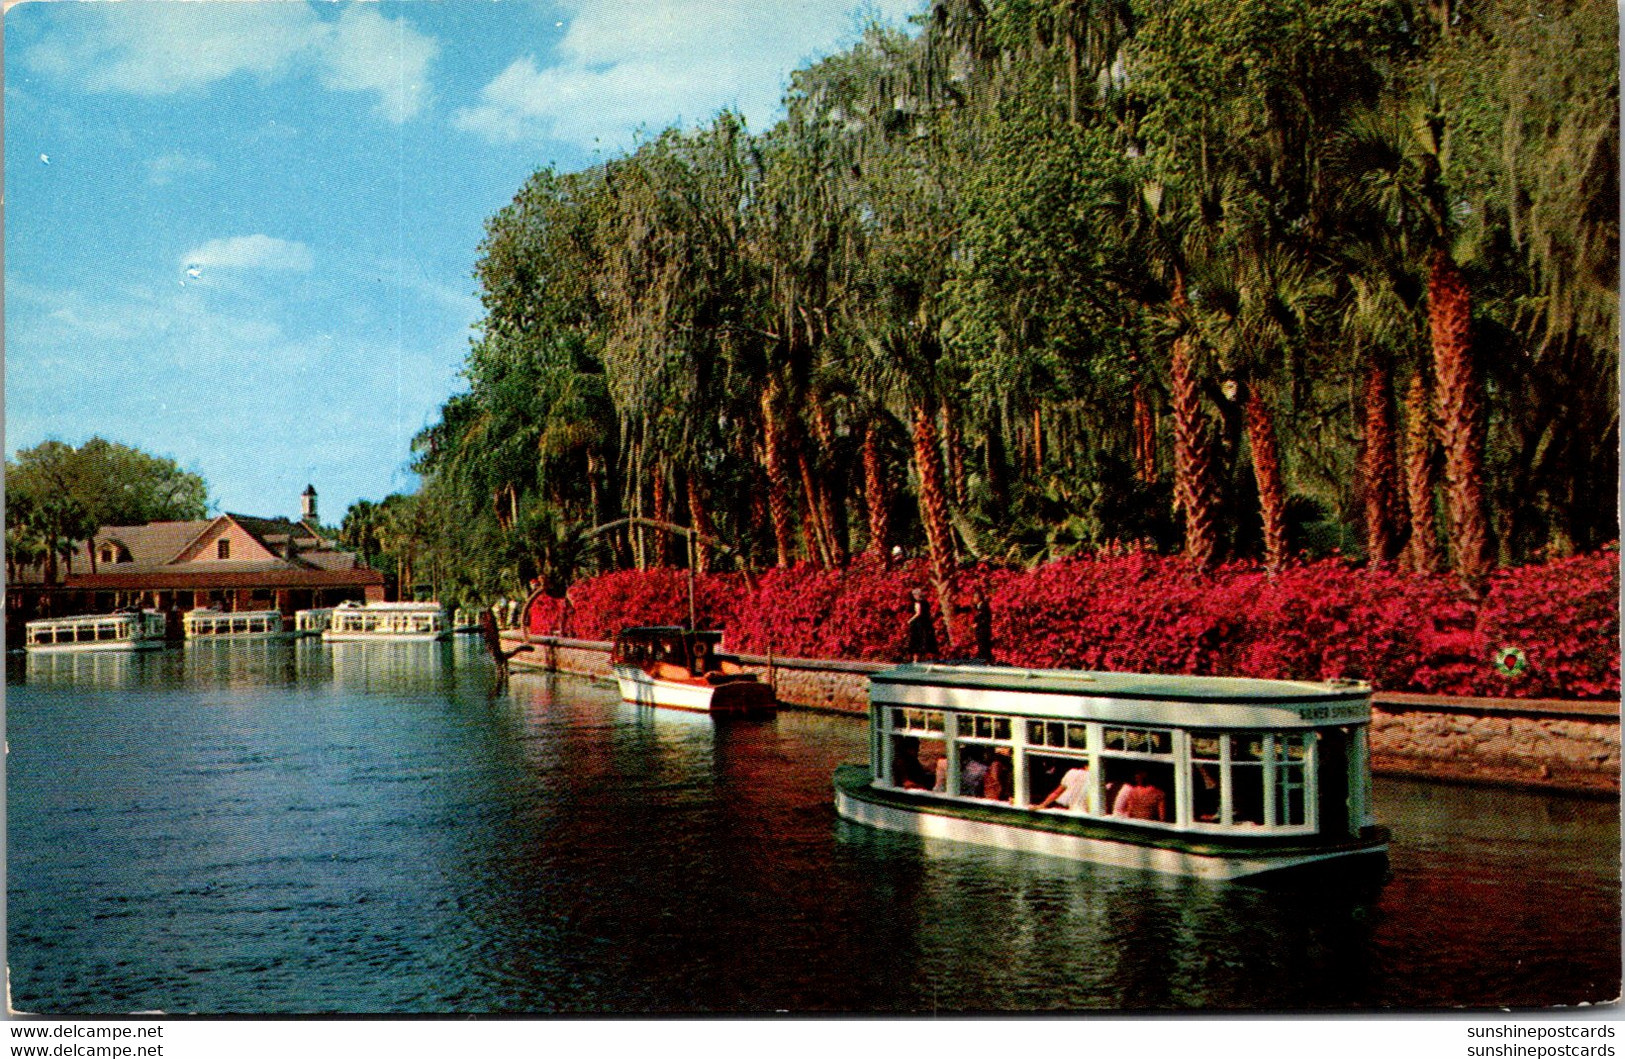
pixel 1071 793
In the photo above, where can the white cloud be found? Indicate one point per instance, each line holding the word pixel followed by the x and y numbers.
pixel 366 52
pixel 629 63
pixel 165 48
pixel 249 251
pixel 167 168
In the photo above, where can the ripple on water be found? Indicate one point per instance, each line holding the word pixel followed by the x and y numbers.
pixel 384 836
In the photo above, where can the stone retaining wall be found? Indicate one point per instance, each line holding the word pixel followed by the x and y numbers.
pixel 1553 745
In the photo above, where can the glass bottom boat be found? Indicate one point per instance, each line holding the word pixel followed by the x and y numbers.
pixel 132 630
pixel 208 624
pixel 1205 776
pixel 387 621
pixel 312 622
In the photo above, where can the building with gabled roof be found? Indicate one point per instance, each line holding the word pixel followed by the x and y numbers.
pixel 231 561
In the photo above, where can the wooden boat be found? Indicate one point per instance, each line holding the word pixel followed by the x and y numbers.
pixel 208 624
pixel 661 665
pixel 1206 776
pixel 387 621
pixel 128 630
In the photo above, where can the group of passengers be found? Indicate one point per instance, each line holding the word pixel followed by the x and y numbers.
pixel 986 772
pixel 1138 799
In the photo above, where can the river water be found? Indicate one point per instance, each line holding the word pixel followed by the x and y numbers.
pixel 367 829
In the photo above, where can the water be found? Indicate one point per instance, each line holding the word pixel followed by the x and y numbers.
pixel 365 829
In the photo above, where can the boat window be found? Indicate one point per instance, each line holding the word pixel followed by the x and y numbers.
pixel 1291 753
pixel 983 726
pixel 1057 734
pixel 919 764
pixel 1139 740
pixel 1061 782
pixel 916 720
pixel 1136 761
pixel 1247 779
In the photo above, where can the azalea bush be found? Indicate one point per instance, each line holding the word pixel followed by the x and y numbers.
pixel 1549 630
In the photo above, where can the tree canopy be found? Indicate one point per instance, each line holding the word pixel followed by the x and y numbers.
pixel 58 495
pixel 1239 278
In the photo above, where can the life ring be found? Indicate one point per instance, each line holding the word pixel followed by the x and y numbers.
pixel 1511 662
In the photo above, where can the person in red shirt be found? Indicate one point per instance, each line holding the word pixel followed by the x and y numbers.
pixel 1141 800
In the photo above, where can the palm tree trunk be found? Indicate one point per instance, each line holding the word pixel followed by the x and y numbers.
pixel 1145 436
pixel 1422 550
pixel 1194 491
pixel 995 466
pixel 934 512
pixel 1267 473
pixel 778 475
pixel 662 512
pixel 875 495
pixel 1378 465
pixel 1461 418
pixel 953 443
pixel 831 505
pixel 699 517
pixel 813 528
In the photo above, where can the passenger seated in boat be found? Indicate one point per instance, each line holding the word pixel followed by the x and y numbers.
pixel 1071 793
pixel 1141 800
pixel 999 782
pixel 973 772
pixel 911 774
pixel 1205 794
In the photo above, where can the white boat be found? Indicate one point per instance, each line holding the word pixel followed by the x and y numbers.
pixel 1206 776
pixel 312 622
pixel 387 621
pixel 209 624
pixel 661 665
pixel 133 630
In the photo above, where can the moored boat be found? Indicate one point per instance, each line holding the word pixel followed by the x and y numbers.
pixel 660 665
pixel 387 621
pixel 312 622
pixel 1206 776
pixel 129 630
pixel 208 624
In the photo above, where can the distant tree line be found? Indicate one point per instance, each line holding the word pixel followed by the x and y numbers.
pixel 58 496
pixel 1234 278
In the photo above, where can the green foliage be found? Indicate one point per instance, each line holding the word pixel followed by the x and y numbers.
pixel 57 495
pixel 988 218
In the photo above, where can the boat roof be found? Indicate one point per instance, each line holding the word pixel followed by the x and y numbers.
pixel 656 632
pixel 1157 687
pixel 200 612
pixel 94 617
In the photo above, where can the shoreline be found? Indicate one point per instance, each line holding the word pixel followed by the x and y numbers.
pixel 1538 744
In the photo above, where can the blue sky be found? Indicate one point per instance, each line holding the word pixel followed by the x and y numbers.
pixel 242 234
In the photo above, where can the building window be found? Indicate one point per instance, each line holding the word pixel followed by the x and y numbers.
pixel 222 549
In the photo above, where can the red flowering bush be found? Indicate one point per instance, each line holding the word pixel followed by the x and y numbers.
pixel 1147 613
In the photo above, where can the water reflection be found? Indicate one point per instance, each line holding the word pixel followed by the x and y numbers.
pixel 384 666
pixel 69 668
pixel 369 828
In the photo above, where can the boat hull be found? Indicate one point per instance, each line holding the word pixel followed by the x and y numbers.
pixel 734 697
pixel 384 637
pixel 107 645
pixel 1096 841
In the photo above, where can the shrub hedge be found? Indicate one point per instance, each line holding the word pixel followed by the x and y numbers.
pixel 1549 630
